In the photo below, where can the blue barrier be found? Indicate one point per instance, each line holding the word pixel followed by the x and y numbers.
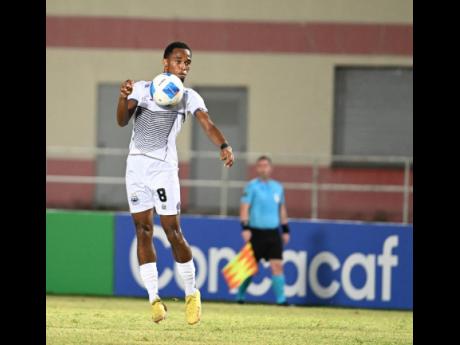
pixel 326 263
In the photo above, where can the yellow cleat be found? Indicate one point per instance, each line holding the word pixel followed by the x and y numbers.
pixel 193 308
pixel 158 310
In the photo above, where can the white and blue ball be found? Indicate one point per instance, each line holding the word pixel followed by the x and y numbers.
pixel 167 89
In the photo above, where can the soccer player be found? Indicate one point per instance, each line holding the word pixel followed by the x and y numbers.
pixel 152 181
pixel 262 211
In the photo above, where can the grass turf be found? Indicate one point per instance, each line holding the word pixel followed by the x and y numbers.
pixel 116 321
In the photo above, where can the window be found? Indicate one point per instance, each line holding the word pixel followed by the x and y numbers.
pixel 373 112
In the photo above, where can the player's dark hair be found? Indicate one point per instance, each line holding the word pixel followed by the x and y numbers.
pixel 264 158
pixel 177 44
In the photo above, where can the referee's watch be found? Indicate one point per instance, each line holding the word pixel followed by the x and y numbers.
pixel 245 226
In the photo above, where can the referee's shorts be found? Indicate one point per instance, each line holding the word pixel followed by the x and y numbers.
pixel 267 244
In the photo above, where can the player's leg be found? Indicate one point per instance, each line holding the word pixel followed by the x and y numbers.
pixel 146 255
pixel 167 205
pixel 184 262
pixel 143 223
pixel 181 251
pixel 141 204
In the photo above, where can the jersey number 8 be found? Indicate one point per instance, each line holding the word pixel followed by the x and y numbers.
pixel 161 194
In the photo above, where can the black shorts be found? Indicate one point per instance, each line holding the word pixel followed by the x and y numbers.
pixel 267 244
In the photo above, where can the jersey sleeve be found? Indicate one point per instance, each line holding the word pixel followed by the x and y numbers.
pixel 137 88
pixel 247 196
pixel 194 102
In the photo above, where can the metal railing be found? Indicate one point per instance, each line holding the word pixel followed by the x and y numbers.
pixel 225 184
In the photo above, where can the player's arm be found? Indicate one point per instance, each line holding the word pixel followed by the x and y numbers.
pixel 244 218
pixel 284 223
pixel 216 136
pixel 125 108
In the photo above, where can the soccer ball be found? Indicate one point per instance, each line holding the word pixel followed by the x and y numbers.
pixel 168 89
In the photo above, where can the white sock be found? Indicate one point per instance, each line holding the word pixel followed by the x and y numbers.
pixel 149 275
pixel 187 272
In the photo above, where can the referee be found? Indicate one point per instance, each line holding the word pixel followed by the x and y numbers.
pixel 262 211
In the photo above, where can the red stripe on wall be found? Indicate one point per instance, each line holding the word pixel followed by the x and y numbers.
pixel 230 36
pixel 70 195
pixel 293 173
pixel 369 206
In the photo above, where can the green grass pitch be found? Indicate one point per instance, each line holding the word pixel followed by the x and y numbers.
pixel 127 321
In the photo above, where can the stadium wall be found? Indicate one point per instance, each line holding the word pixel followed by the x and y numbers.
pixel 353 264
pixel 332 205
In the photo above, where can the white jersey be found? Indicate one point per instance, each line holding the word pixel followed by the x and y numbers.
pixel 155 128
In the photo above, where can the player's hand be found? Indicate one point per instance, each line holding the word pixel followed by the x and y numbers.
pixel 286 238
pixel 126 88
pixel 226 155
pixel 246 234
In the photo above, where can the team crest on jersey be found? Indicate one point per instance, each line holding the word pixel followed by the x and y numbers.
pixel 134 199
pixel 277 198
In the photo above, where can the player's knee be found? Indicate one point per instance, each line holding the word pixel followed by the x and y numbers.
pixel 144 230
pixel 174 236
